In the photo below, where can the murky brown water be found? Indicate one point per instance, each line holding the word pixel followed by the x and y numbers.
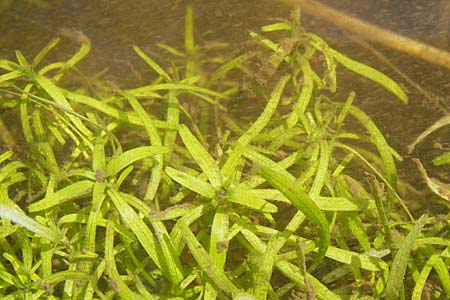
pixel 113 26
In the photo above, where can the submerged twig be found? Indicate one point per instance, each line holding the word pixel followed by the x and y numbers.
pixel 374 33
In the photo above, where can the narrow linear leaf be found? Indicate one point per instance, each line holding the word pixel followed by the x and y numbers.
pixel 137 225
pixel 276 27
pixel 191 182
pixel 201 156
pixel 380 142
pixel 155 140
pixel 266 115
pixel 170 261
pixel 441 268
pixel 303 203
pixel 225 68
pixel 170 50
pixel 18 217
pixel 38 58
pixel 371 73
pixel 21 59
pixel 189 43
pixel 322 170
pixel 177 233
pixel 6 231
pixel 435 126
pixel 143 91
pixel 122 289
pixel 173 118
pixel 218 246
pixel 44 144
pixel 421 280
pixel 125 159
pixel 11 75
pixel 152 64
pixel 56 94
pixel 439 188
pixel 244 140
pixel 217 276
pixel 84 50
pixel 304 98
pixel 324 203
pixel 265 41
pixel 113 112
pixel 443 159
pixel 251 200
pixel 6 155
pixel 8 65
pixel 61 276
pixel 68 193
pixel 400 262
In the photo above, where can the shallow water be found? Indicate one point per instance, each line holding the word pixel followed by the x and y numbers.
pixel 113 26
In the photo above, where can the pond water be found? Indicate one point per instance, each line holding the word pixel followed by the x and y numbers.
pixel 113 26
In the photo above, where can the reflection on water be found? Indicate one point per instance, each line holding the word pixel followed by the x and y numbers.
pixel 113 26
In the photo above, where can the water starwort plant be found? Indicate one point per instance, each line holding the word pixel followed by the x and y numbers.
pixel 162 192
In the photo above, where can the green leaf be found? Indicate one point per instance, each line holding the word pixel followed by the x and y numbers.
pixel 249 199
pixel 43 142
pixel 189 43
pixel 322 170
pixel 400 262
pixel 218 246
pixel 304 98
pixel 57 95
pixel 11 75
pixel 155 140
pixel 206 263
pixel 225 68
pixel 21 59
pixel 261 122
pixel 201 156
pixel 136 224
pixel 121 287
pixel 324 203
pixel 265 41
pixel 441 268
pixel 303 203
pixel 422 278
pixel 68 193
pixel 8 65
pixel 191 182
pixel 13 214
pixel 62 276
pixel 372 74
pixel 44 51
pixel 145 90
pixel 380 142
pixel 117 163
pixel 443 159
pixel 168 257
pixel 84 50
pixel 435 126
pixel 152 64
pixel 7 230
pixel 276 27
pixel 170 49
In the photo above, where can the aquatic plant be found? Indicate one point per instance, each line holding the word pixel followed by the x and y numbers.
pixel 162 192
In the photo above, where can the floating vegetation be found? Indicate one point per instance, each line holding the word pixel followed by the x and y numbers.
pixel 162 192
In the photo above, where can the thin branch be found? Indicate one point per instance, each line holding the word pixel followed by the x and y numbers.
pixel 373 33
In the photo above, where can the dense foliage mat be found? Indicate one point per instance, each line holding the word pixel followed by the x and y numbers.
pixel 222 178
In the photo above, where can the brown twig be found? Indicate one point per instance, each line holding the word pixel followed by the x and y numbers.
pixel 373 33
